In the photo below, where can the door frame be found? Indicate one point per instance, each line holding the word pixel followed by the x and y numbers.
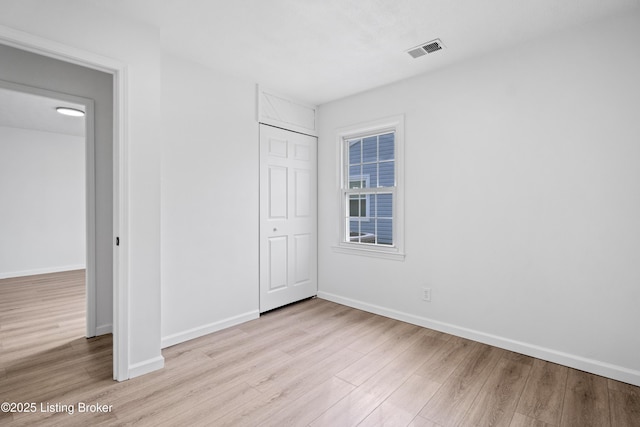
pixel 90 191
pixel 45 47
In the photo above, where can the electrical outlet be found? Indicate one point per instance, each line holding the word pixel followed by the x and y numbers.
pixel 426 294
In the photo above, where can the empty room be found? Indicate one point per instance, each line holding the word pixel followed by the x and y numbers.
pixel 326 213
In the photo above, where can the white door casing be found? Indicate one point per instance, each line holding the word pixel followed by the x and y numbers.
pixel 288 217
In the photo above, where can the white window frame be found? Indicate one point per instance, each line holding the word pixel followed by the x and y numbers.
pixel 343 135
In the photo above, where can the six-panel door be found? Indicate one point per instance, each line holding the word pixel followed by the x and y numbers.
pixel 288 217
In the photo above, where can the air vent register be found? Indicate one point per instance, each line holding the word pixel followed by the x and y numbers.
pixel 426 48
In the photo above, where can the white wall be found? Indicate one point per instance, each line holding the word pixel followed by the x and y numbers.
pixel 522 200
pixel 85 25
pixel 42 213
pixel 209 201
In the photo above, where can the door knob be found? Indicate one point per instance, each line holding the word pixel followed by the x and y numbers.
pixel 275 229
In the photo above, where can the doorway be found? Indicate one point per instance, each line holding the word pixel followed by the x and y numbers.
pixel 48 185
pixel 38 63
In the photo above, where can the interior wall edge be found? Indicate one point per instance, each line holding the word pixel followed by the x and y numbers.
pixel 210 328
pixel 619 373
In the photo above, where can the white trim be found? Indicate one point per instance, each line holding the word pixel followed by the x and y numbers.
pixel 146 366
pixel 597 367
pixel 283 112
pixel 91 221
pixel 210 328
pixel 121 368
pixel 46 47
pixel 104 329
pixel 363 250
pixel 53 49
pixel 380 126
pixel 46 270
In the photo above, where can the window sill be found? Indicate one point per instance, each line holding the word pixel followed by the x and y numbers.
pixel 356 249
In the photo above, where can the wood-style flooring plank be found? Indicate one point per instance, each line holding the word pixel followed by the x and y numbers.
pixel 520 420
pixel 340 331
pixel 624 400
pixel 356 406
pixel 172 410
pixel 360 371
pixel 586 401
pixel 408 363
pixel 497 399
pixel 543 395
pixel 293 379
pixel 418 421
pixel 457 394
pixel 402 406
pixel 309 406
pixel 350 410
pixel 375 336
pixel 446 359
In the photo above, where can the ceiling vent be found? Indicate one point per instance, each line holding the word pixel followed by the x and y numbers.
pixel 425 48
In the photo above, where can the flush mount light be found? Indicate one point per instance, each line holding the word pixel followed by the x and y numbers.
pixel 70 111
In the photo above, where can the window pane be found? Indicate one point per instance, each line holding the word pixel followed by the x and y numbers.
pixel 370 175
pixel 386 148
pixel 354 231
pixel 357 205
pixel 371 204
pixel 387 174
pixel 354 207
pixel 384 231
pixel 370 149
pixel 355 151
pixel 384 206
pixel 367 232
pixel 355 176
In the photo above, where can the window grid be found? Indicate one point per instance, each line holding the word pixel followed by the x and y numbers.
pixel 368 192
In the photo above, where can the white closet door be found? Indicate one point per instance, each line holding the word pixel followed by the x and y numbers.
pixel 288 217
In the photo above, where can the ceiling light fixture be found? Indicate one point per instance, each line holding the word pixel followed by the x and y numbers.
pixel 70 111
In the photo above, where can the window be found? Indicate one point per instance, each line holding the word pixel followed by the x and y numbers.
pixel 371 188
pixel 370 174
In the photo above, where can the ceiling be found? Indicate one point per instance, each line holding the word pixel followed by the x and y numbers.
pixel 321 50
pixel 34 112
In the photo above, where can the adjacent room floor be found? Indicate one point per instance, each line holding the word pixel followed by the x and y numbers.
pixel 311 363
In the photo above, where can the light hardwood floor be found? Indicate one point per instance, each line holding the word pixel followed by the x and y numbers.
pixel 314 363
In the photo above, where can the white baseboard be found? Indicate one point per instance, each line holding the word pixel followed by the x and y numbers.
pixel 11 274
pixel 597 367
pixel 146 366
pixel 104 329
pixel 190 334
